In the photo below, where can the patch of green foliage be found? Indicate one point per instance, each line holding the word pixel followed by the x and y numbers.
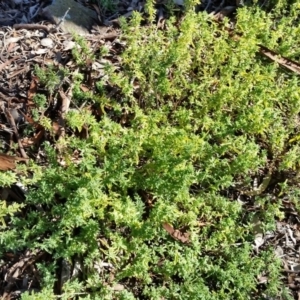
pixel 81 51
pixel 107 6
pixel 209 113
pixel 49 78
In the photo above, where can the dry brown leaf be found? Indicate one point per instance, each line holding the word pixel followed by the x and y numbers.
pixel 33 87
pixel 84 88
pixel 65 101
pixel 177 234
pixel 37 138
pixel 56 128
pixel 8 162
pixel 17 269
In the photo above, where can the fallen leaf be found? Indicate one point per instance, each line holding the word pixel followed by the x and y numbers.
pixel 84 88
pixel 33 87
pixel 65 101
pixel 56 128
pixel 8 162
pixel 177 234
pixel 37 138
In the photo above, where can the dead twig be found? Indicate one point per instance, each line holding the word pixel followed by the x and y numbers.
pixel 220 6
pixel 285 62
pixel 207 5
pixel 15 130
pixel 64 108
pixel 32 27
pixel 62 19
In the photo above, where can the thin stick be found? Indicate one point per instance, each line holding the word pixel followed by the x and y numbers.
pixel 207 5
pixel 62 19
pixel 32 26
pixel 14 127
pixel 220 6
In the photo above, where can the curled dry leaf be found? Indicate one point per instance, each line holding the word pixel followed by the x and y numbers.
pixel 178 235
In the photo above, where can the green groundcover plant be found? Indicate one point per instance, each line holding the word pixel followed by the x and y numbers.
pixel 204 114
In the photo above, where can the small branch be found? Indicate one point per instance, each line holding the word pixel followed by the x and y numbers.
pixel 32 27
pixel 62 19
pixel 285 62
pixel 207 5
pixel 220 6
pixel 14 127
pixel 64 108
